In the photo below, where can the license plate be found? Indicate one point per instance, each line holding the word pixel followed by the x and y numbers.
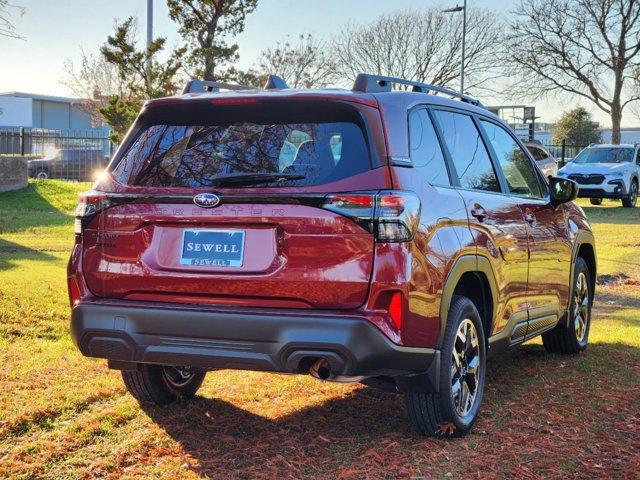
pixel 213 248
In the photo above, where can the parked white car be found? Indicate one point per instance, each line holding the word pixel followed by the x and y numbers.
pixel 606 171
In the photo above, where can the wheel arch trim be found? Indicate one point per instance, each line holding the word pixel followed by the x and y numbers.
pixel 466 264
pixel 583 237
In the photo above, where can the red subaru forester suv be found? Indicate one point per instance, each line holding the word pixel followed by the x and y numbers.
pixel 385 234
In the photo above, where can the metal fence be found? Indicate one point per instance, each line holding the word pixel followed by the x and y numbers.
pixel 563 152
pixel 65 154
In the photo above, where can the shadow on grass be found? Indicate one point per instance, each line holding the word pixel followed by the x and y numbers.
pixel 328 438
pixel 10 251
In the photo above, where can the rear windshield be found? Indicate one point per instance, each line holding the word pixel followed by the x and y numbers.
pixel 604 155
pixel 204 155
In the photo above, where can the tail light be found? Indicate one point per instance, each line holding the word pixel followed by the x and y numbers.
pixel 392 216
pixel 91 203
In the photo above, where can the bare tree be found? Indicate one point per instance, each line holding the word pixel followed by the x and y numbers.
pixel 304 64
pixel 90 76
pixel 587 48
pixel 424 46
pixel 94 80
pixel 7 28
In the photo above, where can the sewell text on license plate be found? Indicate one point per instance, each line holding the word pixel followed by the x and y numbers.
pixel 215 248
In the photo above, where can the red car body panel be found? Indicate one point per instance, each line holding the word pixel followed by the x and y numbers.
pixel 296 256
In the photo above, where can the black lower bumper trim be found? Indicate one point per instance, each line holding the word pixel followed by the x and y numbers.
pixel 266 340
pixel 600 193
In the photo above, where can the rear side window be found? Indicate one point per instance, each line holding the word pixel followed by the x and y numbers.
pixel 518 170
pixel 537 153
pixel 202 155
pixel 468 152
pixel 426 154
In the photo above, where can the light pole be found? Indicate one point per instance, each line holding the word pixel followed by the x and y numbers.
pixel 462 9
pixel 149 30
pixel 149 22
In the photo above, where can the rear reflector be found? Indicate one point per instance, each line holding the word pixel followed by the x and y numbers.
pixel 74 292
pixel 396 309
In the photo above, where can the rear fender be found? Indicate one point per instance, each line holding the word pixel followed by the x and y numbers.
pixel 466 264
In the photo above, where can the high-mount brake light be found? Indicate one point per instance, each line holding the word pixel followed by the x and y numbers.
pixel 391 215
pixel 90 204
pixel 235 101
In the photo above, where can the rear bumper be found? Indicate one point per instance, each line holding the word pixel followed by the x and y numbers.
pixel 260 339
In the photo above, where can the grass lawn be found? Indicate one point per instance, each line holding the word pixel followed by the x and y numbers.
pixel 66 416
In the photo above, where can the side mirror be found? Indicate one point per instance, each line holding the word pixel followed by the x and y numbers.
pixel 562 190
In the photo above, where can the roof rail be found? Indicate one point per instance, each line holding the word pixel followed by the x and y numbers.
pixel 275 82
pixel 201 86
pixel 378 83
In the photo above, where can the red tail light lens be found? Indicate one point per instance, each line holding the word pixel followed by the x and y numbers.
pixel 391 215
pixel 396 309
pixel 358 207
pixel 91 203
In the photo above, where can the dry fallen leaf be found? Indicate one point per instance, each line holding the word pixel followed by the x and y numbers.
pixel 445 429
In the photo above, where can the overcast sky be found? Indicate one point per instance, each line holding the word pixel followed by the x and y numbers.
pixel 55 30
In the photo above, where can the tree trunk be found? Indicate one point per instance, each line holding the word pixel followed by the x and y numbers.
pixel 209 67
pixel 616 118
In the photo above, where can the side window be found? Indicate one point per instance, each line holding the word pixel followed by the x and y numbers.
pixel 518 170
pixel 468 152
pixel 538 153
pixel 638 156
pixel 426 154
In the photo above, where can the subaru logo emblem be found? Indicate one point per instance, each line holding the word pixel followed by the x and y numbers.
pixel 206 200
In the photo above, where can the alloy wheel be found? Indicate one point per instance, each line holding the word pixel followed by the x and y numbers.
pixel 177 376
pixel 633 195
pixel 465 368
pixel 581 302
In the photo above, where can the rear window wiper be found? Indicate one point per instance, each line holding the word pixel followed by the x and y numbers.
pixel 255 178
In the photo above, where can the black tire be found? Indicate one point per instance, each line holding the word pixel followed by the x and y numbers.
pixel 437 414
pixel 162 385
pixel 42 174
pixel 572 337
pixel 595 201
pixel 631 200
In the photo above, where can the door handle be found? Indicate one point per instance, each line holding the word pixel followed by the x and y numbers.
pixel 478 212
pixel 530 218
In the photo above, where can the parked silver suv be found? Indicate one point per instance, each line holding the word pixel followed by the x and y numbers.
pixel 606 171
pixel 547 164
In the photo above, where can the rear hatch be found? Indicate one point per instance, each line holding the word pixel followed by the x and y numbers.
pixel 232 200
